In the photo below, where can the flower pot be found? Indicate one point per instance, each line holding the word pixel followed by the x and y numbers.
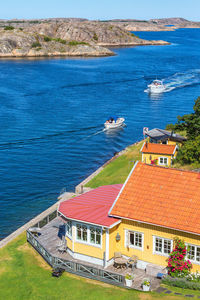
pixel 146 288
pixel 129 282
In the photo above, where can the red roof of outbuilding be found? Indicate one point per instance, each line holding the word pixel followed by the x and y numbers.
pixel 158 148
pixel 92 207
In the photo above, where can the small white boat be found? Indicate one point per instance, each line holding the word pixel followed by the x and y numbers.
pixel 156 86
pixel 114 122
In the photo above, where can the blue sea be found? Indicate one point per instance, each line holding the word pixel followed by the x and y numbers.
pixel 52 114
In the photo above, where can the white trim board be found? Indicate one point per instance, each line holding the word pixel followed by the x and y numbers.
pixel 122 190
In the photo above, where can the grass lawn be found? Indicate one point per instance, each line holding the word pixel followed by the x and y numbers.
pixel 25 275
pixel 118 170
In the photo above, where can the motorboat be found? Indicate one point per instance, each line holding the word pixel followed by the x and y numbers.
pixel 156 86
pixel 114 122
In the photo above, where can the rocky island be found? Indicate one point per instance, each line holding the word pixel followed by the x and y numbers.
pixel 64 37
pixel 164 24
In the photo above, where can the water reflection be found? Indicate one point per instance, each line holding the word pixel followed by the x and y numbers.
pixel 155 96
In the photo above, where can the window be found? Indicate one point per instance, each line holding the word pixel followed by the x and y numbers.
pixel 81 232
pixel 68 228
pixel 162 246
pixel 95 236
pixel 135 239
pixel 194 253
pixel 163 160
pixel 88 234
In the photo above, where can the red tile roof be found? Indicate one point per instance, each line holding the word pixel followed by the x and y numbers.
pixel 161 196
pixel 158 148
pixel 92 207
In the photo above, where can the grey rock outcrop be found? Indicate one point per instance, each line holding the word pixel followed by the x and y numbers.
pixel 16 43
pixel 70 37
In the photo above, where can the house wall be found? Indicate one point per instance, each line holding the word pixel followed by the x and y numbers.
pixel 84 250
pixel 146 254
pixel 146 157
pixel 169 142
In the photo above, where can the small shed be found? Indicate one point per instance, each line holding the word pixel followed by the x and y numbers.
pixel 158 154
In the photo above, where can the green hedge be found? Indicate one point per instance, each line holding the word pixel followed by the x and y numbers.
pixel 181 283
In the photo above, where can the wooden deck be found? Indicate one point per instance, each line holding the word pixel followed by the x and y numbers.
pixel 53 233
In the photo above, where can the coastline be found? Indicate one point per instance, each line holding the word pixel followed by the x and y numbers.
pixel 91 52
pixel 79 189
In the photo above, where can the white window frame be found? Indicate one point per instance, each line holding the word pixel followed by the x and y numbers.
pixel 195 254
pixel 69 235
pixel 127 236
pixel 88 242
pixel 95 235
pixel 162 252
pixel 163 164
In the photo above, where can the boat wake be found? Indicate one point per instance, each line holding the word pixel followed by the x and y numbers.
pixel 180 80
pixel 76 133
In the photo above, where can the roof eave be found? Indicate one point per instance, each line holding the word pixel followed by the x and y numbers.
pixel 91 223
pixel 138 221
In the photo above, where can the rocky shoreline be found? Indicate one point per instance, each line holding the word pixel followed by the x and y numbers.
pixel 64 38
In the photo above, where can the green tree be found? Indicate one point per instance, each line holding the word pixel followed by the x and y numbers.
pixel 190 152
pixel 191 122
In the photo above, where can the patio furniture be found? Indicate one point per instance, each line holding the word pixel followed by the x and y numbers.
pixel 160 275
pixel 153 270
pixel 132 262
pixel 119 261
pixel 62 247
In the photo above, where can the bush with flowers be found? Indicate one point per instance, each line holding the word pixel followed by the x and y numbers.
pixel 178 266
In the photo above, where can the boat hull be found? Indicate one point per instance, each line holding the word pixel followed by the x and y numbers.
pixel 113 125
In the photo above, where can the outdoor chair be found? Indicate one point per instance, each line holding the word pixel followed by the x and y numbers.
pixel 62 246
pixel 132 262
pixel 117 255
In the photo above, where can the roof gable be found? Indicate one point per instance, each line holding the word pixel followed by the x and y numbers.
pixel 161 196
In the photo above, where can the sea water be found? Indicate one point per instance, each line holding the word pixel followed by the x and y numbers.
pixel 52 114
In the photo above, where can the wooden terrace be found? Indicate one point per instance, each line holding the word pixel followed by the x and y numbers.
pixel 52 234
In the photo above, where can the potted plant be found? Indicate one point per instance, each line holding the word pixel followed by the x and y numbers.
pixel 146 285
pixel 129 279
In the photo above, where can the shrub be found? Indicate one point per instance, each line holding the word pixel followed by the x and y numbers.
pixel 74 43
pixel 181 283
pixel 60 41
pixel 20 28
pixel 47 38
pixel 35 45
pixel 95 37
pixel 9 28
pixel 170 127
pixel 178 266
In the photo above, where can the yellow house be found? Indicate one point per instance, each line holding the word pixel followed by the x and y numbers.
pixel 141 218
pixel 162 136
pixel 158 153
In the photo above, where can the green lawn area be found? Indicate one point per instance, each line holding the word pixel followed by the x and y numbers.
pixel 25 275
pixel 118 170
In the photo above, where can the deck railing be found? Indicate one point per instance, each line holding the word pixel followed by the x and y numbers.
pixel 46 219
pixel 75 267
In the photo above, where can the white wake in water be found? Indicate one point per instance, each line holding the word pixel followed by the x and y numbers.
pixel 180 80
